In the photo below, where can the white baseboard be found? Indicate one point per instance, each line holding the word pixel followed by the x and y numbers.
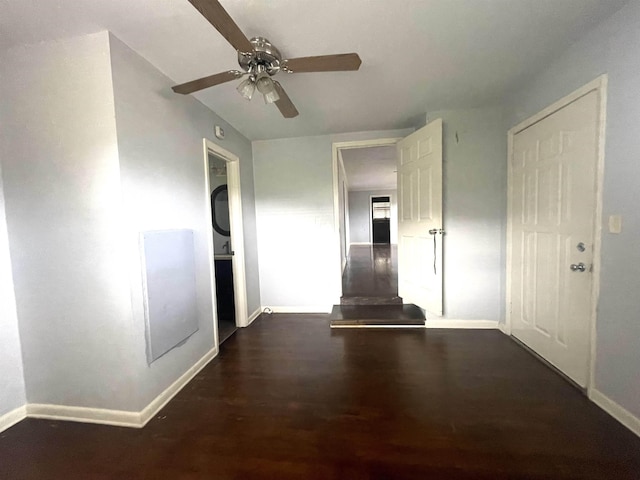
pixel 503 328
pixel 165 397
pixel 120 418
pixel 254 315
pixel 303 309
pixel 9 419
pixel 360 243
pixel 621 414
pixel 463 324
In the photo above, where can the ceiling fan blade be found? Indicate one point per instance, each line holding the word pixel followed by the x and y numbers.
pixel 324 63
pixel 284 104
pixel 222 21
pixel 206 82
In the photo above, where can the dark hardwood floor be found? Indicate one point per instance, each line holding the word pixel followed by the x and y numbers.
pixel 371 273
pixel 288 398
pixel 226 328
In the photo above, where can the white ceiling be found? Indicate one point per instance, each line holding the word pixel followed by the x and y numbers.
pixel 370 168
pixel 417 55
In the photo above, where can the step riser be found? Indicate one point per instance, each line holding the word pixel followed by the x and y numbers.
pixel 376 323
pixel 383 316
pixel 371 301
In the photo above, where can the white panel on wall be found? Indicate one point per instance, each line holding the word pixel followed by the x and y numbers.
pixel 170 289
pixel 163 180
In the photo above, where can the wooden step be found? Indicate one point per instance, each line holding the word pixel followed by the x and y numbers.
pixel 364 300
pixel 400 316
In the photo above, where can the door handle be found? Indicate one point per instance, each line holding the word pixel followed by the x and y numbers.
pixel 434 232
pixel 578 267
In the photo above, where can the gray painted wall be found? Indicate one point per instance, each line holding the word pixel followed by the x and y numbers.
pixel 360 213
pixel 294 197
pixel 162 170
pixel 62 194
pixel 474 209
pixel 95 148
pixel 298 244
pixel 12 391
pixel 613 48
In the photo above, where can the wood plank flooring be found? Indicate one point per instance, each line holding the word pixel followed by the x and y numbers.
pixel 226 328
pixel 371 273
pixel 288 398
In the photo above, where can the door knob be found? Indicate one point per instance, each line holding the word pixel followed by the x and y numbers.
pixel 578 267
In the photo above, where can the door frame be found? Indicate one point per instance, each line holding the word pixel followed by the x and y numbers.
pixel 237 231
pixel 336 149
pixel 599 85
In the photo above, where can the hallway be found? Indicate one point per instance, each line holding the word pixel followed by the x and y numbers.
pixel 371 271
pixel 288 398
pixel 370 291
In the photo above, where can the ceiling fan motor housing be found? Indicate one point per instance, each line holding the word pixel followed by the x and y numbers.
pixel 264 55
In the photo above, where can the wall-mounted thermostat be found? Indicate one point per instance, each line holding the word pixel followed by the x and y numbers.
pixel 219 132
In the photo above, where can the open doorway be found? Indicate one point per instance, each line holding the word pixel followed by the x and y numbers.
pixel 222 250
pixel 367 182
pixel 365 202
pixel 226 240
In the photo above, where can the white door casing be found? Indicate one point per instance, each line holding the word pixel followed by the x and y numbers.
pixel 336 154
pixel 554 208
pixel 237 231
pixel 420 218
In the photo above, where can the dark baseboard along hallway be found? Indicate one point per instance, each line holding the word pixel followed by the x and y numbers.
pixel 289 398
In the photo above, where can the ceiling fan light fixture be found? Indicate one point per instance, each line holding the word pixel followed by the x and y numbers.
pixel 246 88
pixel 261 60
pixel 268 89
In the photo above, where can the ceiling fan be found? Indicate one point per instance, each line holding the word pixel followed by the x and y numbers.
pixel 260 60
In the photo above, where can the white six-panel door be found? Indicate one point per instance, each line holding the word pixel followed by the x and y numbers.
pixel 419 213
pixel 553 206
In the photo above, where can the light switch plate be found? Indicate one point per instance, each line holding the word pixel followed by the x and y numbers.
pixel 219 132
pixel 615 223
